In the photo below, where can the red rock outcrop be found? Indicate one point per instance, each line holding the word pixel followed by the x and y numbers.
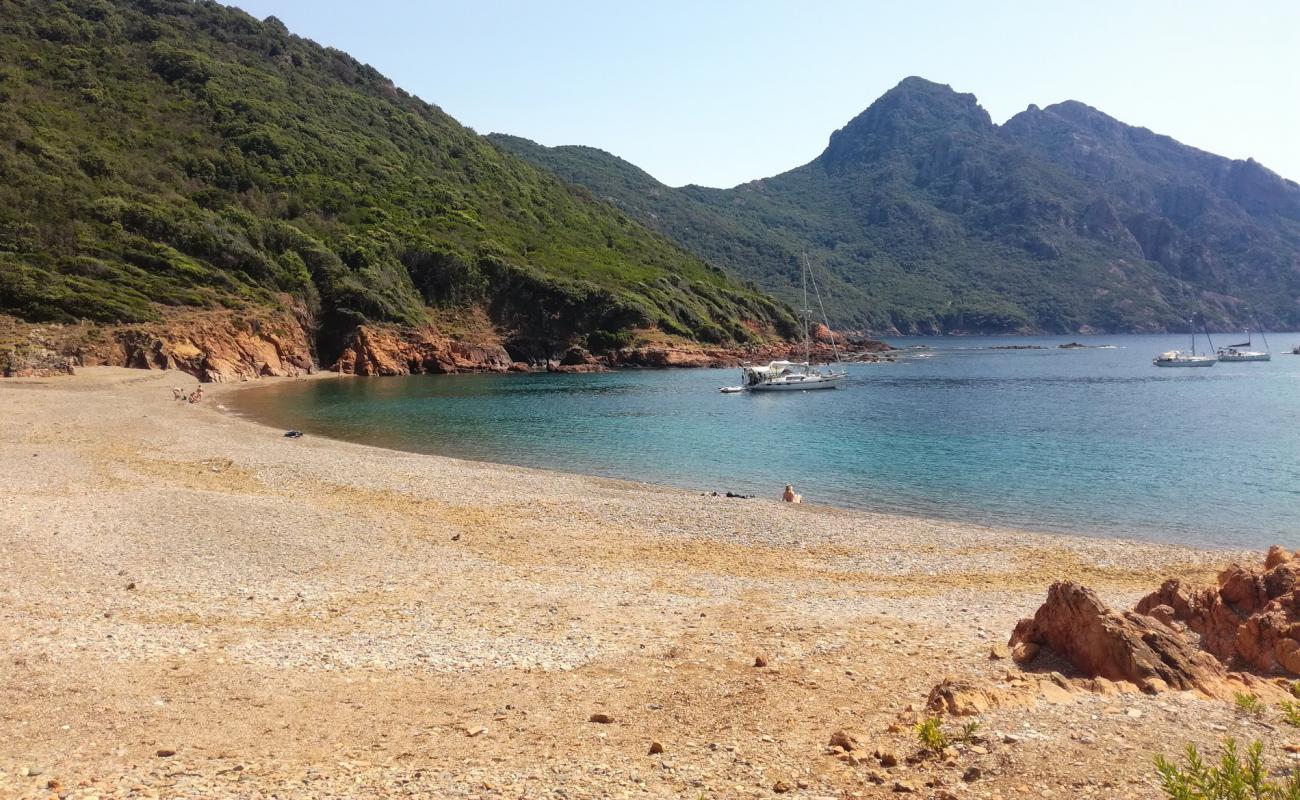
pixel 678 356
pixel 1179 637
pixel 390 350
pixel 34 359
pixel 1251 617
pixel 220 348
pixel 1075 625
pixel 210 345
pixel 227 345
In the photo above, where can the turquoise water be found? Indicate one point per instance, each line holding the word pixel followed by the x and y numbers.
pixel 1092 441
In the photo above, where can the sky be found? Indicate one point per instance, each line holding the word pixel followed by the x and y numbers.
pixel 721 92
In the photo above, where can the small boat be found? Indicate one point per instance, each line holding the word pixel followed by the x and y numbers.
pixel 1179 358
pixel 1242 352
pixel 789 376
pixel 1295 351
pixel 731 389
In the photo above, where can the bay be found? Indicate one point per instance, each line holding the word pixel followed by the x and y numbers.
pixel 1095 441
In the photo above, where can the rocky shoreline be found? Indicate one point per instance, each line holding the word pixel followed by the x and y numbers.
pixel 222 347
pixel 195 606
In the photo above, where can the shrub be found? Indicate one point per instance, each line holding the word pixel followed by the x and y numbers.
pixel 179 66
pixel 931 735
pixel 1235 777
pixel 1248 704
pixel 1291 713
pixel 601 341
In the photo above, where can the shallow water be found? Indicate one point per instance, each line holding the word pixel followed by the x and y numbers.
pixel 1091 441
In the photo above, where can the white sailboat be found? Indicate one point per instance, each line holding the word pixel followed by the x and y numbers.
pixel 790 376
pixel 1242 352
pixel 1180 358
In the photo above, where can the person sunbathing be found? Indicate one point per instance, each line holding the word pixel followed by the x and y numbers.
pixel 789 496
pixel 196 395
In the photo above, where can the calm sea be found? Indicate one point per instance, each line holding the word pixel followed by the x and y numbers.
pixel 1092 441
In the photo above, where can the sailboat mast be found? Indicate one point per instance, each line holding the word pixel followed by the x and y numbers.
pixel 1262 335
pixel 807 312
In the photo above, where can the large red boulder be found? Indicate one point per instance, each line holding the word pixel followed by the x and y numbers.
pixel 1252 617
pixel 1075 625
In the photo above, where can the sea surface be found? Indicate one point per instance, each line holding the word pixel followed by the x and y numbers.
pixel 1094 441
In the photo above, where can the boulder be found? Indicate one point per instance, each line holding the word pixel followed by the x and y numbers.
pixel 1075 625
pixel 1276 555
pixel 845 740
pixel 1251 618
pixel 958 698
pixel 821 333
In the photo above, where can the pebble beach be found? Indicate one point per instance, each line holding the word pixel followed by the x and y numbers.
pixel 193 605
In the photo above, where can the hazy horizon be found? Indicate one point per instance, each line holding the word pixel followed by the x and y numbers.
pixel 731 92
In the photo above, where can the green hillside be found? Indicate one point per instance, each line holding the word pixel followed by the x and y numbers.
pixel 931 218
pixel 159 153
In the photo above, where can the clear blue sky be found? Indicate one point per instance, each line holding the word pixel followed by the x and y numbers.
pixel 718 93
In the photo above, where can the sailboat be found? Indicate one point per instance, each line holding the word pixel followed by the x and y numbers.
pixel 1179 358
pixel 1242 352
pixel 789 376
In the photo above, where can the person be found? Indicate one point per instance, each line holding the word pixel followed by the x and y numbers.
pixel 197 395
pixel 178 393
pixel 789 496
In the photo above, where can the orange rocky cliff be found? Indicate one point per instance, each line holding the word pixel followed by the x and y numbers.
pixel 210 345
pixel 389 350
pixel 226 345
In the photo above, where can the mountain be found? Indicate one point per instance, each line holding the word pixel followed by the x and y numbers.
pixel 929 218
pixel 163 157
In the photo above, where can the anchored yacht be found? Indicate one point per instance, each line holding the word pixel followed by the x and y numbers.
pixel 789 376
pixel 1242 352
pixel 1180 358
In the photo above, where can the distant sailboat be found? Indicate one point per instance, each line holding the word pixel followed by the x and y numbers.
pixel 1180 358
pixel 787 376
pixel 1242 352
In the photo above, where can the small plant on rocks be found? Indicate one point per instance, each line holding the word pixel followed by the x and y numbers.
pixel 1236 776
pixel 1248 704
pixel 1290 713
pixel 931 734
pixel 969 730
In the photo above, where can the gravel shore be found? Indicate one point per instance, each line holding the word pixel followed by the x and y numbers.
pixel 192 605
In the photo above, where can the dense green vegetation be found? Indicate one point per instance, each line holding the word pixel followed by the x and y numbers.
pixel 173 153
pixel 928 217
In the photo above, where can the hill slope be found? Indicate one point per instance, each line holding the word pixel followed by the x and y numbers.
pixel 931 218
pixel 165 154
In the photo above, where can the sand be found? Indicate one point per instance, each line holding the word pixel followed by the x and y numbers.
pixel 192 605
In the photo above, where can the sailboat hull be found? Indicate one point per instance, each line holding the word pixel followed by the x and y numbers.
pixel 807 385
pixel 1244 357
pixel 827 383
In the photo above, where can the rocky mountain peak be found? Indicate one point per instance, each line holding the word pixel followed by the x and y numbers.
pixel 915 109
